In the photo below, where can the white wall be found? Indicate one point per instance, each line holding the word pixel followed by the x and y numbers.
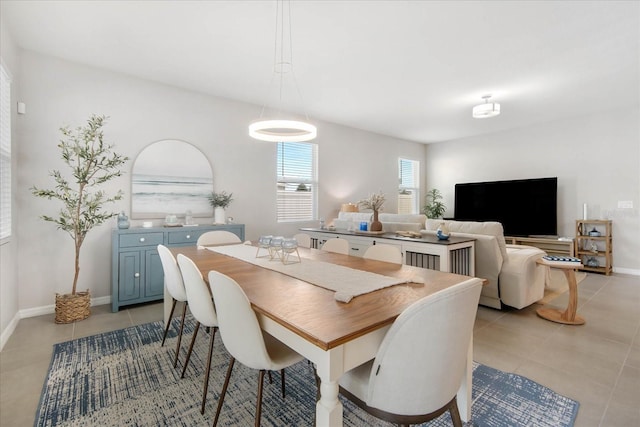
pixel 352 163
pixel 596 159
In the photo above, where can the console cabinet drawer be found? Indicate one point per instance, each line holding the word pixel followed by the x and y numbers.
pixel 141 239
pixel 184 236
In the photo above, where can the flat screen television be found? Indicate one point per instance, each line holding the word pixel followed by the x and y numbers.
pixel 525 207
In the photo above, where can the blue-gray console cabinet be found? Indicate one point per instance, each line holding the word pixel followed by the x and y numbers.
pixel 136 270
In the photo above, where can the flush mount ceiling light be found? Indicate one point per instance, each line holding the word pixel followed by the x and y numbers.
pixel 282 130
pixel 488 109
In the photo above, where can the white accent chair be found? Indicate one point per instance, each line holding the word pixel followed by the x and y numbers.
pixel 175 286
pixel 421 361
pixel 303 239
pixel 382 252
pixel 217 237
pixel 340 246
pixel 244 339
pixel 202 308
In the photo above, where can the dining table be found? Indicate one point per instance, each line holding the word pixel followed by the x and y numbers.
pixel 335 336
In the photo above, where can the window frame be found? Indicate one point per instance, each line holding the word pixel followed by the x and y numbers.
pixel 296 180
pixel 415 189
pixel 6 159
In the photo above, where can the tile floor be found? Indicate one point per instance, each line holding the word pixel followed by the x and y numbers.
pixel 597 364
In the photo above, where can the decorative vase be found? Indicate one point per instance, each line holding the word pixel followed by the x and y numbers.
pixel 123 220
pixel 375 224
pixel 442 232
pixel 220 217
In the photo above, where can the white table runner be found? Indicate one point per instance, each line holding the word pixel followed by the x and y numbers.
pixel 346 282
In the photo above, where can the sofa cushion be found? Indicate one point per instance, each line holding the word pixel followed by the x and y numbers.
pixel 490 228
pixel 522 280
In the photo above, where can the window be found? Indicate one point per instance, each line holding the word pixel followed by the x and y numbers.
pixel 297 181
pixel 5 154
pixel 409 190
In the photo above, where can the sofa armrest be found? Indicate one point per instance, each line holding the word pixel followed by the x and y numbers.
pixel 522 279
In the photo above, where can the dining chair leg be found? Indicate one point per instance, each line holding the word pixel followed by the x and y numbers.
pixel 193 340
pixel 270 378
pixel 224 390
pixel 282 381
pixel 166 329
pixel 455 413
pixel 259 401
pixel 206 375
pixel 184 313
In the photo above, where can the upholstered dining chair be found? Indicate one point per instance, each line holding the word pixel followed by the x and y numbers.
pixel 217 237
pixel 383 252
pixel 340 246
pixel 303 239
pixel 244 339
pixel 175 287
pixel 202 308
pixel 418 368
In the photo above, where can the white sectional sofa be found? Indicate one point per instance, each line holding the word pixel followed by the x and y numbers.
pixel 514 277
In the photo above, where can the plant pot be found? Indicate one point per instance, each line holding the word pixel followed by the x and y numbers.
pixel 220 216
pixel 70 307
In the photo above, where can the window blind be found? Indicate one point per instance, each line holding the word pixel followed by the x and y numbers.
pixel 296 181
pixel 409 188
pixel 5 153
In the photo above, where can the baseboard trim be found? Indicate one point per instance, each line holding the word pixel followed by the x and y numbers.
pixel 39 311
pixel 8 331
pixel 630 271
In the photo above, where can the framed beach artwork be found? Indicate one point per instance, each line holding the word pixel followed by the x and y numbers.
pixel 171 177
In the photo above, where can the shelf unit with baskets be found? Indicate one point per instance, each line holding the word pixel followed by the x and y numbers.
pixel 593 245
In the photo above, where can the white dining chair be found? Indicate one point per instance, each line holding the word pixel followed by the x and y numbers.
pixel 303 239
pixel 340 246
pixel 244 339
pixel 217 237
pixel 383 252
pixel 421 361
pixel 175 286
pixel 203 310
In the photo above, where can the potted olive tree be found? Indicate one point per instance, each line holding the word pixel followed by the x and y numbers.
pixel 220 201
pixel 91 163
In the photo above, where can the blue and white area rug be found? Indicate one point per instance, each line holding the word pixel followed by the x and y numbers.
pixel 124 378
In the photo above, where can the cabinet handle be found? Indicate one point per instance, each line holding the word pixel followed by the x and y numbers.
pixel 136 275
pixel 142 239
pixel 355 249
pixel 188 236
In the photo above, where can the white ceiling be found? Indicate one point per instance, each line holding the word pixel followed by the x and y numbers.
pixel 409 69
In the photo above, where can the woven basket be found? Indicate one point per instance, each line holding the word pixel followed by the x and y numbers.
pixel 70 308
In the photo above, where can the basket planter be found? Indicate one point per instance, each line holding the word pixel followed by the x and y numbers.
pixel 73 307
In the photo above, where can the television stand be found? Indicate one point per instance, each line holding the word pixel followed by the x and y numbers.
pixel 551 244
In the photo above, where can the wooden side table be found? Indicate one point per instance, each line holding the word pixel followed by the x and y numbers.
pixel 568 316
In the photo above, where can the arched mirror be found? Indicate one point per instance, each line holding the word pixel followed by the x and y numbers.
pixel 171 177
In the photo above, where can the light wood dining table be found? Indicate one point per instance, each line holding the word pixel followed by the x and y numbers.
pixel 335 336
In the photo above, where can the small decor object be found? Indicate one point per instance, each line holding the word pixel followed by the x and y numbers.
pixel 433 208
pixel 220 201
pixel 171 220
pixel 442 232
pixel 289 247
pixel 92 163
pixel 123 221
pixel 375 203
pixel 594 233
pixel 264 242
pixel 592 262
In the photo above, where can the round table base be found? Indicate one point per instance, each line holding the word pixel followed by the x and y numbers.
pixel 559 316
